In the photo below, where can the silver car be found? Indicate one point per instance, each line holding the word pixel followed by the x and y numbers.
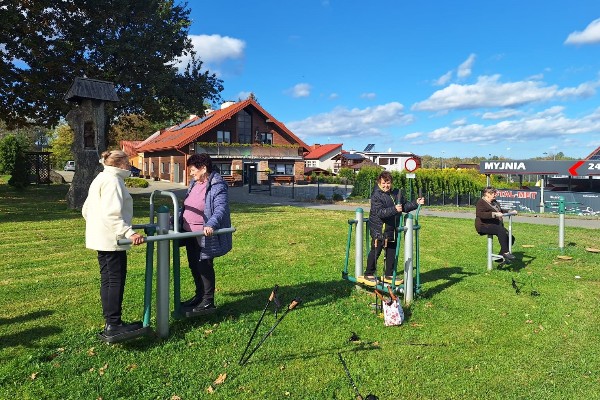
pixel 70 166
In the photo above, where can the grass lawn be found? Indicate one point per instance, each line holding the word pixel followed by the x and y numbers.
pixel 469 335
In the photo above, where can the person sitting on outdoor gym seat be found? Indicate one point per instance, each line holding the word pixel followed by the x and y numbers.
pixel 488 220
pixel 384 219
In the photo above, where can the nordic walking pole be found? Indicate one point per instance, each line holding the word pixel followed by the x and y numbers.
pixel 358 395
pixel 292 305
pixel 271 298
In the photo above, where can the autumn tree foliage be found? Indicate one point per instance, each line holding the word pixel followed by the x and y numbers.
pixel 45 44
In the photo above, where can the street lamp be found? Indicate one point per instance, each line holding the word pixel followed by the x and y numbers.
pixel 442 160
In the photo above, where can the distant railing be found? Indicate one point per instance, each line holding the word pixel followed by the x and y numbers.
pixel 248 151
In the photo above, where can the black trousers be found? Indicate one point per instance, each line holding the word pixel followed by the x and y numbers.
pixel 203 271
pixel 113 271
pixel 501 232
pixel 376 249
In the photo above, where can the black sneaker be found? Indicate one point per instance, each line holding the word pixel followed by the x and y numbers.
pixel 113 330
pixel 193 302
pixel 206 306
pixel 508 256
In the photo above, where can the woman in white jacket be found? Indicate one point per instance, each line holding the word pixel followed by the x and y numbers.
pixel 108 211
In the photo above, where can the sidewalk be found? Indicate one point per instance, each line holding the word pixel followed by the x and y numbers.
pixel 241 195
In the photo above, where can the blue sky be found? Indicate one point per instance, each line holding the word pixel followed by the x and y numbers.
pixel 444 78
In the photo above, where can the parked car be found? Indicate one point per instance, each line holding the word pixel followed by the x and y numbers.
pixel 135 171
pixel 70 166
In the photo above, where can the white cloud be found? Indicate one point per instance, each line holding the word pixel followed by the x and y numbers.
pixel 333 96
pixel 502 114
pixel 243 95
pixel 444 79
pixel 299 90
pixel 214 51
pixel 550 123
pixel 590 35
pixel 368 96
pixel 348 123
pixel 488 91
pixel 464 69
pixel 412 135
pixel 459 122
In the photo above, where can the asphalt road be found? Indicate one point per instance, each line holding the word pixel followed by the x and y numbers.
pixel 241 195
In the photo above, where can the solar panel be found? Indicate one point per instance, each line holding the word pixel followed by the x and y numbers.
pixel 200 120
pixel 369 147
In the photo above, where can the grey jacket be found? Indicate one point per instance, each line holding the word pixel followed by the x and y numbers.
pixel 217 217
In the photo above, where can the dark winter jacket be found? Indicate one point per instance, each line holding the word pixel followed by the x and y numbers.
pixel 383 217
pixel 483 214
pixel 217 217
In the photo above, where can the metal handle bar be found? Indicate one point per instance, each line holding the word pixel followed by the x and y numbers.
pixel 173 236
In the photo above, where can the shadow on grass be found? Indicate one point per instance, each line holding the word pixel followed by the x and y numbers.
pixel 304 355
pixel 248 302
pixel 521 261
pixel 449 276
pixel 28 337
pixel 35 203
pixel 26 317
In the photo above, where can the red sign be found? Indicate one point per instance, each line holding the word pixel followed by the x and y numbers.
pixel 573 169
pixel 411 164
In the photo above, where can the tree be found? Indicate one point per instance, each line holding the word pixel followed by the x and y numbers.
pixel 135 44
pixel 62 139
pixel 130 127
pixel 10 147
pixel 19 175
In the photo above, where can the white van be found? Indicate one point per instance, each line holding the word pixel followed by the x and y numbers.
pixel 70 166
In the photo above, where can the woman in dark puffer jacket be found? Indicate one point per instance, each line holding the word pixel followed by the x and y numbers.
pixel 384 218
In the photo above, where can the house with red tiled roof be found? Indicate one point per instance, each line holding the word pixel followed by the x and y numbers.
pixel 129 147
pixel 244 141
pixel 323 156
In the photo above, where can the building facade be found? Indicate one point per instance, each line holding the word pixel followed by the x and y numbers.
pixel 245 142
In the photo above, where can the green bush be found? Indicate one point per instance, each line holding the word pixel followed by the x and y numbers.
pixel 321 196
pixel 337 197
pixel 136 182
pixel 20 173
pixel 435 182
pixel 10 146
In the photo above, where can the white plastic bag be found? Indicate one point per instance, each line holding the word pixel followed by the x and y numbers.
pixel 393 314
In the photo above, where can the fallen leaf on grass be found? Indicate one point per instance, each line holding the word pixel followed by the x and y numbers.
pixel 529 321
pixel 428 304
pixel 564 257
pixel 592 250
pixel 175 397
pixel 527 245
pixel 220 379
pixel 34 375
pixel 210 390
pixel 91 352
pixel 131 367
pixel 415 325
pixel 103 369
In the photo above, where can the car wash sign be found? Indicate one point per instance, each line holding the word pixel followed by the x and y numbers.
pixel 520 167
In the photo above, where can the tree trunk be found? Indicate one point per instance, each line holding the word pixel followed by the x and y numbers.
pixel 89 123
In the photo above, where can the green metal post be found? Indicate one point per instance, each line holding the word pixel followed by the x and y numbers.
pixel 399 232
pixel 149 231
pixel 348 243
pixel 417 228
pixel 176 279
